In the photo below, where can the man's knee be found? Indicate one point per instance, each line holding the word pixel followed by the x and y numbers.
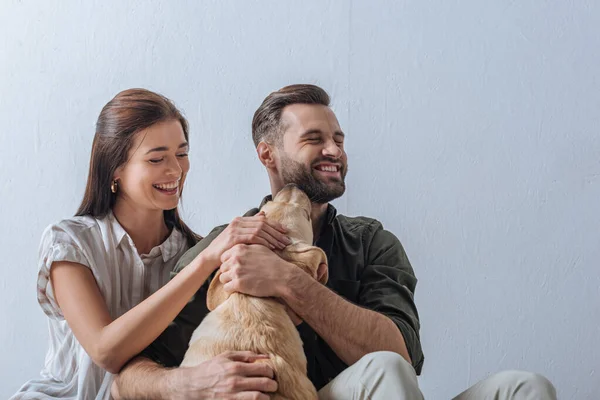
pixel 526 383
pixel 391 363
pixel 386 375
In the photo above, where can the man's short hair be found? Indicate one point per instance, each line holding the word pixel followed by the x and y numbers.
pixel 266 124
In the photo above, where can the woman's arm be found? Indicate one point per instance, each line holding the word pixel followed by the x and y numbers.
pixel 111 343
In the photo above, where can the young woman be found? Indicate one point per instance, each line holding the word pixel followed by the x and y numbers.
pixel 104 274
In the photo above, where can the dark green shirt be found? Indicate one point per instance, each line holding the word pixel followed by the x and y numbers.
pixel 367 266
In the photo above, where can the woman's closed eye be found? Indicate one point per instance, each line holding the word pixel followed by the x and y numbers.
pixel 159 160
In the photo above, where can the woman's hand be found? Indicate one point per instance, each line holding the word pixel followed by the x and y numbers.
pixel 247 230
pixel 232 375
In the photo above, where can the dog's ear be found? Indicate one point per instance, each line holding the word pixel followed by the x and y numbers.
pixel 312 259
pixel 216 293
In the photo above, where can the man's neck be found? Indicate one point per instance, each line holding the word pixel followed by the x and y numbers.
pixel 317 215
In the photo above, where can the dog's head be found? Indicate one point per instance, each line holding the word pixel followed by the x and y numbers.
pixel 291 207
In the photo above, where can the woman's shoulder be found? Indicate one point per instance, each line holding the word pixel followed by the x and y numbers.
pixel 76 224
pixel 75 229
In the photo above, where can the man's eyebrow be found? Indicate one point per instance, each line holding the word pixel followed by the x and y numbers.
pixel 165 148
pixel 312 132
pixel 319 132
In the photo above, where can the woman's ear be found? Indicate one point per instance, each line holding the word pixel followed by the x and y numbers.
pixel 266 154
pixel 117 174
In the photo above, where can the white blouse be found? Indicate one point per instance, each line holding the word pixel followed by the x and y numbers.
pixel 125 279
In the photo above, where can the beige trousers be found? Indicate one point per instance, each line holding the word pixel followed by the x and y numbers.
pixel 385 376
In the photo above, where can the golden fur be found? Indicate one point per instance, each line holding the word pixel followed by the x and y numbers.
pixel 239 322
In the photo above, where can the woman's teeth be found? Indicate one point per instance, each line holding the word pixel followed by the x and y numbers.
pixel 167 186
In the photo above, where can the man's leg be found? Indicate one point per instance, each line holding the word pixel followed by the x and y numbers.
pixel 382 375
pixel 511 385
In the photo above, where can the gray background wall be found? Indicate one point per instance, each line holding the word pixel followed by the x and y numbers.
pixel 472 132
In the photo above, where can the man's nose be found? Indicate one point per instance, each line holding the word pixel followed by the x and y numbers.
pixel 332 149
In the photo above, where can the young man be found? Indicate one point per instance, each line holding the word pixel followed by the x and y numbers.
pixel 360 333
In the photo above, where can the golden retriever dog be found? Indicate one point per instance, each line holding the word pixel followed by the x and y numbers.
pixel 238 322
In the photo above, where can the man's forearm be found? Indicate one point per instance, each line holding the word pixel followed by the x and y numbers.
pixel 142 378
pixel 350 330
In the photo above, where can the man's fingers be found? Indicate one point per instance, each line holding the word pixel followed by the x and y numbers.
pixel 229 287
pixel 255 368
pixel 225 277
pixel 251 396
pixel 226 256
pixel 255 384
pixel 237 248
pixel 244 356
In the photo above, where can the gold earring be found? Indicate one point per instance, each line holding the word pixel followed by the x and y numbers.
pixel 114 186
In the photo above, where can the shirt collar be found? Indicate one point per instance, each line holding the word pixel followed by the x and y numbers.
pixel 168 249
pixel 114 227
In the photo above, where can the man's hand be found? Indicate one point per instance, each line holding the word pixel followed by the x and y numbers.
pixel 231 375
pixel 246 230
pixel 254 270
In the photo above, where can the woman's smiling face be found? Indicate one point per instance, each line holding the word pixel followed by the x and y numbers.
pixel 156 167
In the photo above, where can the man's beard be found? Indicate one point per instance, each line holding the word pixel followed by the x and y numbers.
pixel 317 191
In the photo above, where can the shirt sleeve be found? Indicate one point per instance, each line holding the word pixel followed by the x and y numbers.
pixel 387 286
pixel 59 243
pixel 170 347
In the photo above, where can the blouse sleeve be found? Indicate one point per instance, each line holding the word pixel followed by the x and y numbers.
pixel 59 243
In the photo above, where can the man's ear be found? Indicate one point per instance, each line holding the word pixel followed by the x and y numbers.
pixel 266 154
pixel 216 293
pixel 310 258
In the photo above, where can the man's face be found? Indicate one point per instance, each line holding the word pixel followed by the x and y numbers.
pixel 312 154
